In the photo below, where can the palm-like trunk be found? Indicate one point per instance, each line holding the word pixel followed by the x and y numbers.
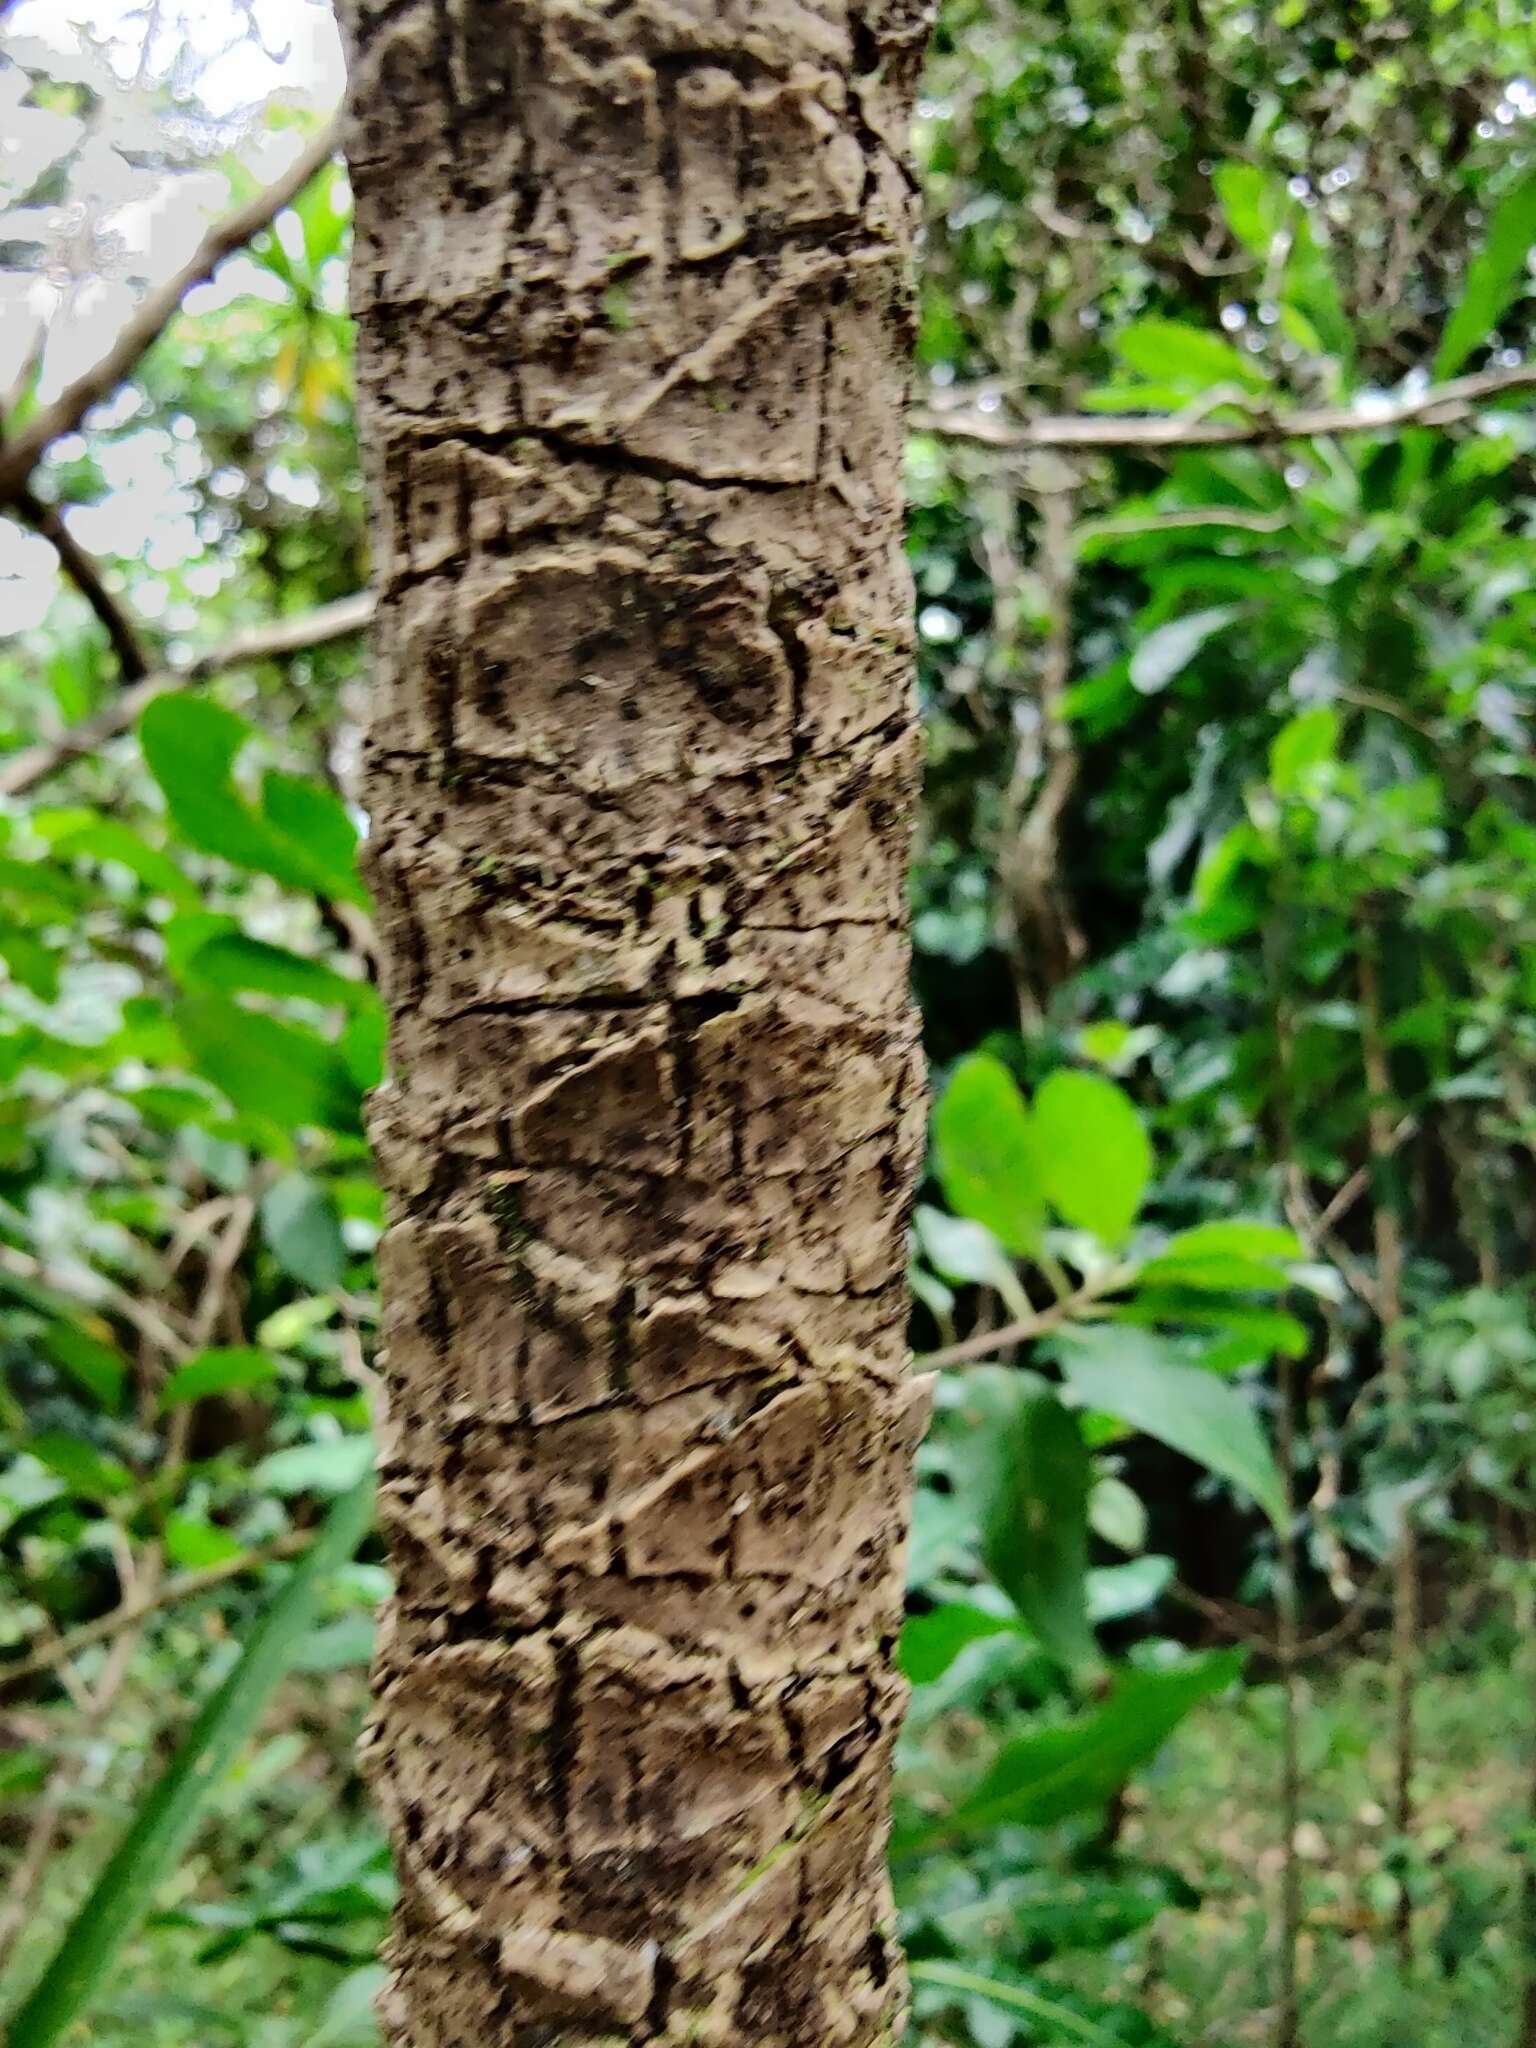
pixel 632 297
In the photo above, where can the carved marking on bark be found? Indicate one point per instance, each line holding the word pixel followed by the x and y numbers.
pixel 633 326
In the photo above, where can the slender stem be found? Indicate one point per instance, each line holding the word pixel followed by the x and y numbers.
pixel 1387 1237
pixel 22 771
pixel 1288 1643
pixel 82 571
pixel 986 1343
pixel 166 1593
pixel 1438 405
pixel 149 320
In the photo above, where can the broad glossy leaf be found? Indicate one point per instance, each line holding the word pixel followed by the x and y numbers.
pixel 966 1252
pixel 90 1362
pixel 269 1068
pixel 315 1468
pixel 985 1152
pixel 1168 649
pixel 1494 276
pixel 86 1471
pixel 1034 1538
pixel 190 746
pixel 227 1369
pixel 1189 358
pixel 1050 1773
pixel 302 1228
pixel 931 1642
pixel 233 964
pixel 84 836
pixel 1231 1256
pixel 1116 1591
pixel 1143 1382
pixel 1095 1159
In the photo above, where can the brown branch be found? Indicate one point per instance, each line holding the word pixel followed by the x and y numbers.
pixel 78 566
pixel 985 1343
pixel 24 770
pixel 154 314
pixel 168 1593
pixel 1438 405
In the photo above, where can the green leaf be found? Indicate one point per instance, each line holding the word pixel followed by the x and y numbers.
pixel 1269 221
pixel 967 1253
pixel 302 1228
pixel 190 747
pixel 271 1069
pixel 930 1643
pixel 308 815
pixel 1051 1773
pixel 342 1645
pixel 81 836
pixel 985 1154
pixel 226 1370
pixel 1192 358
pixel 233 964
pixel 1117 1514
pixel 1015 1998
pixel 194 1543
pixel 1303 745
pixel 1034 1538
pixel 98 1367
pixel 315 1468
pixel 1168 649
pixel 1495 276
pixel 84 1470
pixel 1116 1591
pixel 1140 1379
pixel 350 2020
pixel 1234 1257
pixel 165 1820
pixel 1095 1158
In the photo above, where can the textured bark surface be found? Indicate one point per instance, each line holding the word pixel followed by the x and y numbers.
pixel 631 281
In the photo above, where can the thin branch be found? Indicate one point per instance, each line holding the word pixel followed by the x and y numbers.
pixel 168 1593
pixel 93 1290
pixel 78 566
pixel 1437 405
pixel 24 770
pixel 154 314
pixel 986 1343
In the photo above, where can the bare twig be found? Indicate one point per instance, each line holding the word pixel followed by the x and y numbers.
pixel 167 1593
pixel 154 314
pixel 78 566
pixel 1387 1233
pixel 986 1343
pixel 346 615
pixel 1437 405
pixel 94 1290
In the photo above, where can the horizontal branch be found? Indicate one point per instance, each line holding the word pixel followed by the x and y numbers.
pixel 82 571
pixel 154 314
pixel 22 771
pixel 186 1586
pixel 1437 405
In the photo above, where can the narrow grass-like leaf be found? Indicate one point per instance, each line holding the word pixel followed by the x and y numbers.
pixel 167 1816
pixel 1013 1998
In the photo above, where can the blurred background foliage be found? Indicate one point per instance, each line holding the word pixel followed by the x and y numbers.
pixel 1225 936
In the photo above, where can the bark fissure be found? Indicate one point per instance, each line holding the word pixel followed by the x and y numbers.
pixel 632 300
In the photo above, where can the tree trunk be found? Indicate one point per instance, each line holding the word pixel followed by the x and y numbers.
pixel 631 284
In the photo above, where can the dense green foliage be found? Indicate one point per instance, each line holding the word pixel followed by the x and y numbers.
pixel 1225 928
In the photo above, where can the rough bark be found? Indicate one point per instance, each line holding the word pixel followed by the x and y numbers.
pixel 631 284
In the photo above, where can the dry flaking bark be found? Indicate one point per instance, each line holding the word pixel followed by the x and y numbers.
pixel 631 284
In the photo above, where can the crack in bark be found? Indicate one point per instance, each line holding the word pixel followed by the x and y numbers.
pixel 632 323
